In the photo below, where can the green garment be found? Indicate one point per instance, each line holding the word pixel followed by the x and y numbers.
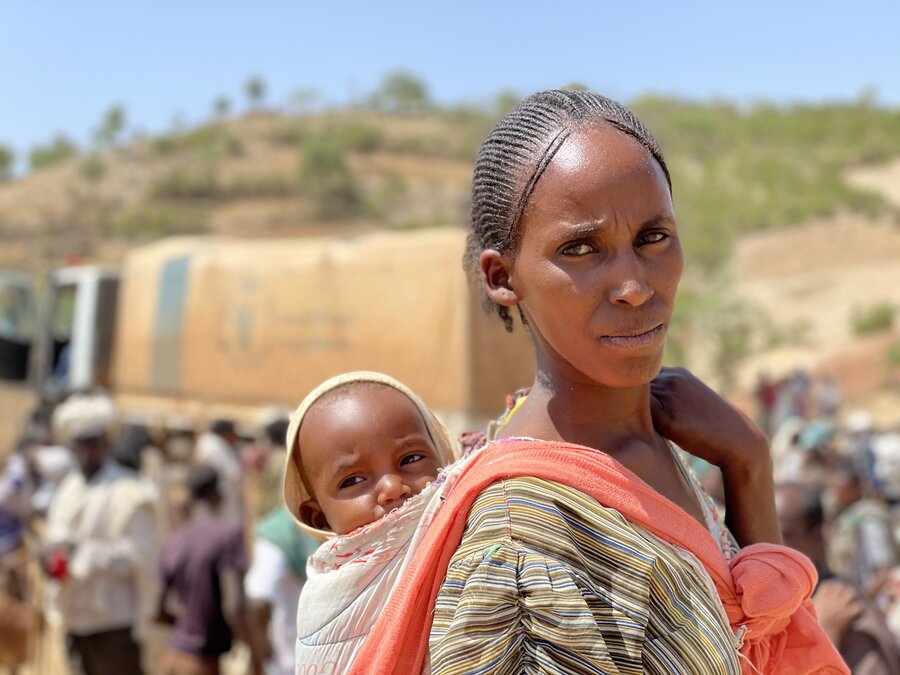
pixel 279 528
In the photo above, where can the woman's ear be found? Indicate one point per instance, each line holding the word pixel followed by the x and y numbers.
pixel 495 277
pixel 311 514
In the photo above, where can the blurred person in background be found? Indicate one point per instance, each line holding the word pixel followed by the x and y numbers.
pixel 100 545
pixel 886 449
pixel 766 392
pixel 861 547
pixel 218 448
pixel 48 463
pixel 280 550
pixel 273 586
pixel 858 447
pixel 202 568
pixel 828 397
pixel 18 618
pixel 15 510
pixel 855 625
pixel 271 466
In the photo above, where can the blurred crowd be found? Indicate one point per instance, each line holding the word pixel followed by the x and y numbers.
pixel 837 480
pixel 122 553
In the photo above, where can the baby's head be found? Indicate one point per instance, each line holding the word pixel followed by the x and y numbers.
pixel 358 447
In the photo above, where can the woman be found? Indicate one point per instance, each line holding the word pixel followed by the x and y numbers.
pixel 577 541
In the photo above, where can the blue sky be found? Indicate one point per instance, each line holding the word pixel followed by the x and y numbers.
pixel 64 63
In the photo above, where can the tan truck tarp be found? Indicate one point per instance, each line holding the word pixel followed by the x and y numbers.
pixel 211 327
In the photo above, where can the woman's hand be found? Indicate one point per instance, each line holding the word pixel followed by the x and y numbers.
pixel 704 424
pixel 698 420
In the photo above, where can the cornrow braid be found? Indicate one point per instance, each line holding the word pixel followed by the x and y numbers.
pixel 513 158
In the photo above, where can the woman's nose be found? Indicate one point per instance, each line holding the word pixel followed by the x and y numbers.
pixel 629 284
pixel 391 488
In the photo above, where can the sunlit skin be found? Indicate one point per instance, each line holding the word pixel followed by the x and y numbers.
pixel 364 453
pixel 595 273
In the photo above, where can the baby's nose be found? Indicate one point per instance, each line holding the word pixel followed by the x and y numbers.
pixel 392 488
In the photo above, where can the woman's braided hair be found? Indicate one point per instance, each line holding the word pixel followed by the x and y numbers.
pixel 514 156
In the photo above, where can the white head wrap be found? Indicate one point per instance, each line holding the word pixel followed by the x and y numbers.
pixel 83 416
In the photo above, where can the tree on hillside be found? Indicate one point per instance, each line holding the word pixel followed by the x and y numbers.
pixel 112 125
pixel 7 158
pixel 401 91
pixel 222 107
pixel 42 156
pixel 323 171
pixel 255 90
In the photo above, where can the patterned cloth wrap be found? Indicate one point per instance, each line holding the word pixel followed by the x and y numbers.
pixel 764 590
pixel 350 579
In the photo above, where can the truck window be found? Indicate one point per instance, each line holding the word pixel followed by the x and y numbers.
pixel 61 329
pixel 17 314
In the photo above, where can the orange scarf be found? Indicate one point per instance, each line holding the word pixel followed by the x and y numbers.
pixel 765 590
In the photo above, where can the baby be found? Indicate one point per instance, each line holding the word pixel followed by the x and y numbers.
pixel 360 446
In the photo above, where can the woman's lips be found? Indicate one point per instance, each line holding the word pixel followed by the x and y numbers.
pixel 635 340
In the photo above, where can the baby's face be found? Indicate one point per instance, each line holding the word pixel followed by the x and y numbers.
pixel 364 453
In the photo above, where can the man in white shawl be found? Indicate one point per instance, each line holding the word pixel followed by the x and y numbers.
pixel 101 546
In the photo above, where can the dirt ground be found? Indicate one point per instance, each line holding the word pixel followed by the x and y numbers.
pixel 15 402
pixel 811 282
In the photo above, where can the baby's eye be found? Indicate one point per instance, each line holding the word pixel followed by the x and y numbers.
pixel 577 249
pixel 350 481
pixel 412 457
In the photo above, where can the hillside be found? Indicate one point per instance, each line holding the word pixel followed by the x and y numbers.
pixel 259 175
pixel 789 215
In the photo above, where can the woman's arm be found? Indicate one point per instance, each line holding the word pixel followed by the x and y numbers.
pixel 704 424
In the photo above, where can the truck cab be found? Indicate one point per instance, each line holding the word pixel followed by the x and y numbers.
pixel 75 352
pixel 58 340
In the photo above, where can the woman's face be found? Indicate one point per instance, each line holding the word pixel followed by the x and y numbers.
pixel 599 260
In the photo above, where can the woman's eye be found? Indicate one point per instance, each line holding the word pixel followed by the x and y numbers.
pixel 409 459
pixel 652 238
pixel 577 249
pixel 350 482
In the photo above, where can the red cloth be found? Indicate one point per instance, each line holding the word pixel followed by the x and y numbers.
pixel 765 589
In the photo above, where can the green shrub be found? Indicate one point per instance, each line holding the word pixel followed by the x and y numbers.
pixel 893 353
pixel 210 143
pixel 59 149
pixel 324 173
pixel 257 187
pixel 873 319
pixel 187 184
pixel 7 159
pixel 92 168
pixel 289 134
pixel 360 137
pixel 152 222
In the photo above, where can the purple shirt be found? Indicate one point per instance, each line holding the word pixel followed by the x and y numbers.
pixel 190 565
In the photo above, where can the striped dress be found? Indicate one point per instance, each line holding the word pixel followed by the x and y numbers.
pixel 546 580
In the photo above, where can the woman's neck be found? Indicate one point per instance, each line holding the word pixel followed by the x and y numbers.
pixel 584 413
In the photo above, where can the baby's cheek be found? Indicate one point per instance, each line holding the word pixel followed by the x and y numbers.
pixel 421 482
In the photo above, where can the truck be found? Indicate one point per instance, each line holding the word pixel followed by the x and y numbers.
pixel 192 329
